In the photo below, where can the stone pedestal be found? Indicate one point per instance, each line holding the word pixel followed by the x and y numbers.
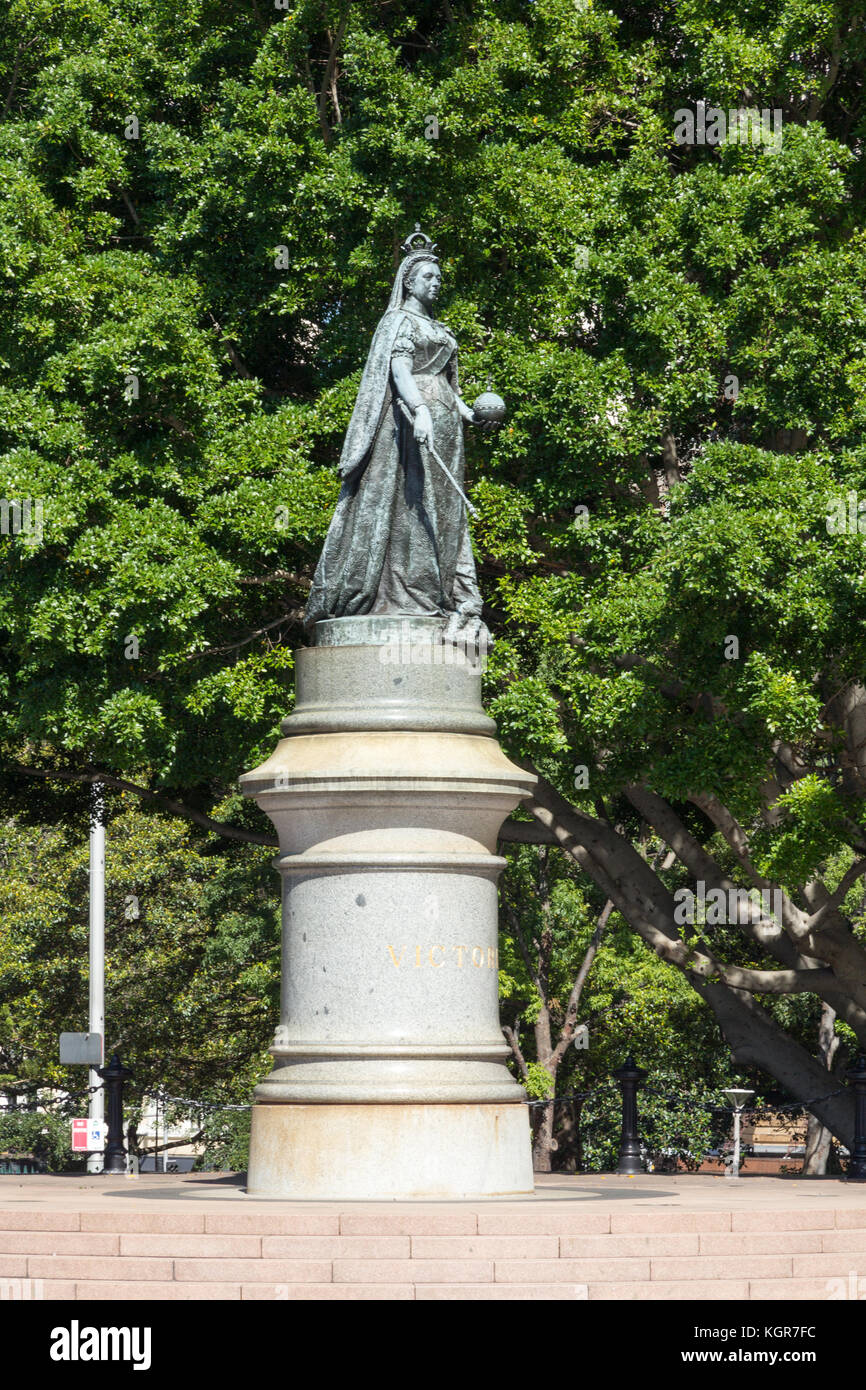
pixel 387 793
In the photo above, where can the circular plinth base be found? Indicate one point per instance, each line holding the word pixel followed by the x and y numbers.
pixel 389 1152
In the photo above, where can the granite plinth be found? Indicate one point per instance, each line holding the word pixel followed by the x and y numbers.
pixel 374 1153
pixel 387 809
pixel 387 674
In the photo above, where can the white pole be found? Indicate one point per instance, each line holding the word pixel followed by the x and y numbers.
pixel 735 1166
pixel 96 1023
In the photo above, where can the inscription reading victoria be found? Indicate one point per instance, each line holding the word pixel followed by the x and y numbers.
pixel 437 956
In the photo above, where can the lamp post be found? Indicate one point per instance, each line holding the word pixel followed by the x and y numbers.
pixel 738 1100
pixel 630 1078
pixel 114 1076
pixel 857 1162
pixel 96 951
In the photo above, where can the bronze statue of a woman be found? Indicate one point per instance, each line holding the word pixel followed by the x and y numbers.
pixel 398 542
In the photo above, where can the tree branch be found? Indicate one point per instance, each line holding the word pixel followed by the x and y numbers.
pixel 263 28
pixel 327 88
pixel 15 68
pixel 567 1031
pixel 819 98
pixel 291 575
pixel 670 462
pixel 132 212
pixel 692 854
pixel 838 896
pixel 177 808
pixel 293 616
pixel 752 1034
pixel 731 831
pixel 232 353
pixel 517 933
pixel 510 1035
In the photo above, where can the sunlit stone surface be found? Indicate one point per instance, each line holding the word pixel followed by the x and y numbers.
pixel 387 793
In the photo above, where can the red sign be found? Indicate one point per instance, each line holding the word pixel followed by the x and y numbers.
pixel 79 1136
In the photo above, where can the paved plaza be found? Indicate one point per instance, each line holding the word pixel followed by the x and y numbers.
pixel 596 1237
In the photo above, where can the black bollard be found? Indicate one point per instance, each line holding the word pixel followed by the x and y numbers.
pixel 857 1162
pixel 629 1078
pixel 113 1077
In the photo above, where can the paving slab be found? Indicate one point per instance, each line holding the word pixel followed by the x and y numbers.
pixel 218 1204
pixel 200 1236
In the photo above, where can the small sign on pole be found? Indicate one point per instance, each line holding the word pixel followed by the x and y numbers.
pixel 82 1049
pixel 88 1136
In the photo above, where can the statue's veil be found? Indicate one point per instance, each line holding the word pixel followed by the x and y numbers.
pixel 374 392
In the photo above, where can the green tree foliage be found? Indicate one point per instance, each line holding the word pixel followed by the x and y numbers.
pixel 29 1134
pixel 556 934
pixel 191 964
pixel 202 214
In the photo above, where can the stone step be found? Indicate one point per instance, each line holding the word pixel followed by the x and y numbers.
pixel 502 1252
pixel 623 1250
pixel 558 1220
pixel 369 1269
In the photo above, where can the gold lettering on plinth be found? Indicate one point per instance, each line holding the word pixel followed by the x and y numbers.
pixel 425 955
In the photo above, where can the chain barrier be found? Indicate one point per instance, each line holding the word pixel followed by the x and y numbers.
pixel 684 1101
pixel 165 1099
pixel 573 1095
pixel 681 1101
pixel 46 1103
pixel 769 1108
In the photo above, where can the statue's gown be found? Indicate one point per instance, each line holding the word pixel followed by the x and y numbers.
pixel 399 540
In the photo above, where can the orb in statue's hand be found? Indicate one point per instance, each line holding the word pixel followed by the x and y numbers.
pixel 489 409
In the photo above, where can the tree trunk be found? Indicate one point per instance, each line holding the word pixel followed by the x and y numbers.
pixel 670 462
pixel 568 1138
pixel 544 1143
pixel 818 1136
pixel 755 1039
pixel 548 1055
pixel 817 1149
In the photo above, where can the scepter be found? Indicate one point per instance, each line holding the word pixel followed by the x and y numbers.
pixel 445 469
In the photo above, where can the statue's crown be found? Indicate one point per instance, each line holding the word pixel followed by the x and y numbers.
pixel 418 241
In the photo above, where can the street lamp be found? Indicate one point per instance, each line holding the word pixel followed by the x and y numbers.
pixel 738 1100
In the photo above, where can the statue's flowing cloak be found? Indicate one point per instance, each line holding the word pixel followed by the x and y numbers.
pixel 374 395
pixel 399 541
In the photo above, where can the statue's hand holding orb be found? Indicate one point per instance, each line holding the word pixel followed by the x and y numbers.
pixel 488 411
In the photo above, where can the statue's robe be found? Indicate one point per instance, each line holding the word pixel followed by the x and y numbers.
pixel 399 540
